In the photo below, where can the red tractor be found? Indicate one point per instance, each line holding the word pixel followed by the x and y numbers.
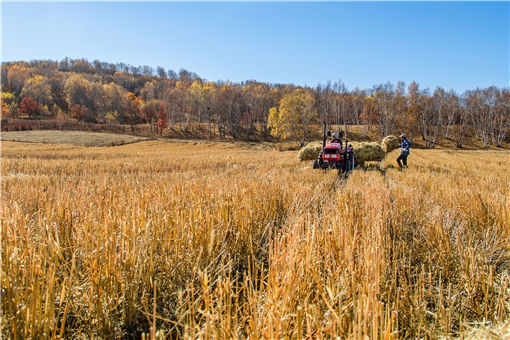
pixel 334 156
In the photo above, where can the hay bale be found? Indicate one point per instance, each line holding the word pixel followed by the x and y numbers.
pixel 310 151
pixel 367 152
pixel 390 143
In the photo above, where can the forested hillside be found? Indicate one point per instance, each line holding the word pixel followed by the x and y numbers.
pixel 110 94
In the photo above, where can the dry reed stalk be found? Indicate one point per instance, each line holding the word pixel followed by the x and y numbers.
pixel 137 240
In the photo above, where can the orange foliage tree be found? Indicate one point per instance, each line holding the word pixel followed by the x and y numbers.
pixel 29 107
pixel 162 118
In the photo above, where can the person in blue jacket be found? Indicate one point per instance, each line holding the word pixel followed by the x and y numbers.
pixel 404 147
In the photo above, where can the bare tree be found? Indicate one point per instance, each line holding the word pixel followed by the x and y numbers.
pixel 341 104
pixel 357 104
pixel 426 117
pixel 461 118
pixel 452 104
pixel 324 102
pixel 482 106
pixel 479 114
pixel 385 103
pixel 401 105
pixel 368 114
pixel 440 107
pixel 501 117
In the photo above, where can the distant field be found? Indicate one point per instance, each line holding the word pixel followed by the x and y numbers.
pixel 221 240
pixel 70 137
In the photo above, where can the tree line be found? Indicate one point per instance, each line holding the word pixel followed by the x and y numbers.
pixel 108 93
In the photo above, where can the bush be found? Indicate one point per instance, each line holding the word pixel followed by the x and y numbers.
pixel 390 143
pixel 310 151
pixel 366 152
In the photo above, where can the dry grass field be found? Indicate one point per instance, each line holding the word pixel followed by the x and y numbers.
pixel 202 240
pixel 70 137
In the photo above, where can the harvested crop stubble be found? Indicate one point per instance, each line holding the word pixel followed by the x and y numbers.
pixel 390 143
pixel 228 241
pixel 310 151
pixel 367 152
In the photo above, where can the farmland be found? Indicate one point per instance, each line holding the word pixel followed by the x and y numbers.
pixel 229 240
pixel 70 137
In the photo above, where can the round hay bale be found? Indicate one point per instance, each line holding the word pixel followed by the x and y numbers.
pixel 310 151
pixel 367 152
pixel 390 143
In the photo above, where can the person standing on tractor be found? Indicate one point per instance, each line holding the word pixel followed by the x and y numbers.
pixel 335 139
pixel 404 147
pixel 328 137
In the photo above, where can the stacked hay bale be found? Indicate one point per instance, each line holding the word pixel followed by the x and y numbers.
pixel 363 152
pixel 367 152
pixel 310 151
pixel 390 143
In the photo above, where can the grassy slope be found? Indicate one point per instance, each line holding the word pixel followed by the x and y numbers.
pixel 236 241
pixel 87 138
pixel 70 137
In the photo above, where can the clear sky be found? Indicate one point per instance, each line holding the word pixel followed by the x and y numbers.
pixel 458 45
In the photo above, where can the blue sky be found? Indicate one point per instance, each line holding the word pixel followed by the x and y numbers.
pixel 458 45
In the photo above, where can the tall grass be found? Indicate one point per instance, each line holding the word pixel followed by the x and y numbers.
pixel 167 240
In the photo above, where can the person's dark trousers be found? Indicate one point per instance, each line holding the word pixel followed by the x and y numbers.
pixel 402 158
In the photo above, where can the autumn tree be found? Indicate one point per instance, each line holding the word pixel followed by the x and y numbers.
pixel 38 88
pixel 357 104
pixel 341 105
pixel 9 105
pixel 77 90
pixel 5 112
pixel 477 104
pixel 385 104
pixel 171 74
pixel 131 112
pixel 114 100
pixel 197 99
pixel 148 91
pixel 295 116
pixel 79 111
pixel 162 122
pixel 29 107
pixel 161 72
pixel 501 119
pixel 324 102
pixel 400 105
pixel 260 98
pixel 452 104
pixel 414 106
pixel 226 107
pixel 440 103
pixel 3 76
pixel 208 92
pixel 427 118
pixel 460 118
pixel 81 66
pixel 150 112
pixel 368 114
pixel 16 78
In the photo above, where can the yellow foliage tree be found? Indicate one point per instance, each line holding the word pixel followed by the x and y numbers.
pixel 294 117
pixel 4 110
pixel 38 88
pixel 17 77
pixel 8 103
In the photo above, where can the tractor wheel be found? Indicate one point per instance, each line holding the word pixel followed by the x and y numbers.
pixel 315 164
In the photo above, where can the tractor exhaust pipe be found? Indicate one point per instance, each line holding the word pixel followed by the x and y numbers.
pixel 324 134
